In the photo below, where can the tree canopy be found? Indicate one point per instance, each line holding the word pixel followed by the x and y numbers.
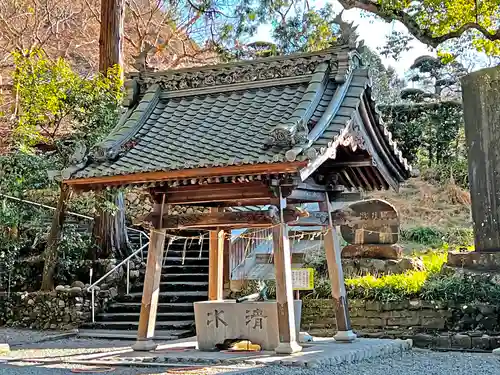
pixel 434 22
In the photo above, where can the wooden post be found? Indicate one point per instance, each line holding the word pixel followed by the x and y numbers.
pixel 284 291
pixel 150 294
pixel 226 272
pixel 215 265
pixel 333 258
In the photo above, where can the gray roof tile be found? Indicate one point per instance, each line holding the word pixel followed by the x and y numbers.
pixel 221 126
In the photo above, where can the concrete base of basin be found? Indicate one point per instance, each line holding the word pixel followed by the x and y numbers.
pixel 320 352
pixel 217 321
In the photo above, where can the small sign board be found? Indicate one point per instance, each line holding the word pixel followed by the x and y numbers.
pixel 372 221
pixel 303 278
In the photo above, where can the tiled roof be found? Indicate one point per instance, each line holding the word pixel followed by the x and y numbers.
pixel 223 115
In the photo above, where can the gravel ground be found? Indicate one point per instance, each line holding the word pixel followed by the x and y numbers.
pixel 14 336
pixel 417 362
pixel 414 363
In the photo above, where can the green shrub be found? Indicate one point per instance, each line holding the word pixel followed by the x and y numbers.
pixel 461 288
pixel 424 235
pixel 436 237
pixel 386 288
pixel 434 261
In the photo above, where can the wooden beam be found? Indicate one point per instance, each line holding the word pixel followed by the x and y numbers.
pixel 313 220
pixel 334 261
pixel 226 192
pixel 284 289
pixel 352 164
pixel 238 219
pixel 359 171
pixel 300 195
pixel 145 177
pixel 151 291
pixel 215 265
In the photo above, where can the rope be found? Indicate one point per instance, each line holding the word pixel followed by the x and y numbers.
pixel 302 235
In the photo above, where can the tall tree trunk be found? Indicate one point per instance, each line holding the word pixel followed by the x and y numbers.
pixel 50 253
pixel 111 38
pixel 110 232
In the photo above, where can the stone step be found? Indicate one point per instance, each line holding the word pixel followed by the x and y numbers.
pixel 177 269
pixel 179 326
pixel 169 296
pixel 135 307
pixel 188 261
pixel 175 286
pixel 178 253
pixel 195 277
pixel 128 335
pixel 134 316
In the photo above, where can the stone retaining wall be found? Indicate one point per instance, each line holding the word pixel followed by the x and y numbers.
pixel 430 324
pixel 63 309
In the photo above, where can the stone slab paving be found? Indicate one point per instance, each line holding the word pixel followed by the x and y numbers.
pixel 321 352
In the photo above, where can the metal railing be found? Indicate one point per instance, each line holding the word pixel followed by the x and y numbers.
pixel 242 246
pixel 92 287
pixel 141 233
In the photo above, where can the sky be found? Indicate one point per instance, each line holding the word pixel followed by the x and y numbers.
pixel 372 31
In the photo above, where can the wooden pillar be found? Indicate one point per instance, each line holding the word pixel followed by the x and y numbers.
pixel 284 289
pixel 481 92
pixel 215 265
pixel 226 271
pixel 151 291
pixel 333 258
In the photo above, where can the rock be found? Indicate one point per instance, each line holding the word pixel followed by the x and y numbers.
pixel 53 326
pixel 61 303
pixel 378 265
pixel 373 251
pixel 134 274
pixel 113 292
pixel 487 309
pixel 104 286
pixel 75 290
pixel 31 302
pixel 411 264
pixel 60 288
pixel 460 341
pixel 78 284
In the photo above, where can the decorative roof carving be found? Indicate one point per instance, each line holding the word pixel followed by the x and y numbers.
pixel 348 34
pixel 295 130
pixel 241 72
pixel 141 60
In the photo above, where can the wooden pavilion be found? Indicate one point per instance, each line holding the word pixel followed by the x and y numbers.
pixel 278 131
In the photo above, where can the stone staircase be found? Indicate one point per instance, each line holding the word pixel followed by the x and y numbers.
pixel 184 280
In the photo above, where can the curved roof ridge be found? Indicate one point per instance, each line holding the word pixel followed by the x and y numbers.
pixel 294 130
